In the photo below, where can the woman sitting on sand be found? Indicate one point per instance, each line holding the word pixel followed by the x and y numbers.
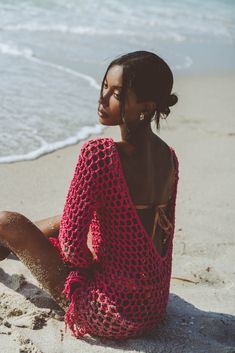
pixel 123 195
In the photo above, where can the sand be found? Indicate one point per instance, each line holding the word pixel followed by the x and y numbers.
pixel 201 310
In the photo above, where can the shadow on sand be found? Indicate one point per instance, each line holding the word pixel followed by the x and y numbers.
pixel 186 328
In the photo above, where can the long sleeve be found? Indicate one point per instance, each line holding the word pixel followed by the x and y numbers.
pixel 81 201
pixel 77 214
pixel 80 204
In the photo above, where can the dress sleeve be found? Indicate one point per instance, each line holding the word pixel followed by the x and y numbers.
pixel 77 214
pixel 81 201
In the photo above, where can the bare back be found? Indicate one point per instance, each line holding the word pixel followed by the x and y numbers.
pixel 150 178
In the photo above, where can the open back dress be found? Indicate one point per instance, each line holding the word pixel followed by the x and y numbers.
pixel 122 289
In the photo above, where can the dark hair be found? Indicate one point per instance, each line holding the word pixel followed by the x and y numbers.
pixel 149 77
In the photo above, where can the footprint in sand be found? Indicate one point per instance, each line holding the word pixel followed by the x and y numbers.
pixel 208 276
pixel 34 321
pixel 27 346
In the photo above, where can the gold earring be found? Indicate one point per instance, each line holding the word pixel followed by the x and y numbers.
pixel 142 117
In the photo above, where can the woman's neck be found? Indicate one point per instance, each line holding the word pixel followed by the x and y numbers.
pixel 138 141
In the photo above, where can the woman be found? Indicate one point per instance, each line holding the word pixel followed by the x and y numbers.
pixel 123 195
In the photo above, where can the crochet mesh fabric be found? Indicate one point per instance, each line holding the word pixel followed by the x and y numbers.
pixel 123 290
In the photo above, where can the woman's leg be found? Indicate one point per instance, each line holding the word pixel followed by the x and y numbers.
pixel 49 227
pixel 21 236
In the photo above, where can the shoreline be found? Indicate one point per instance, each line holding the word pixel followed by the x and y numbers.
pixel 97 129
pixel 201 310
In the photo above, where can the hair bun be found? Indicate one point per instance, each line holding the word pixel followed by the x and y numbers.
pixel 172 100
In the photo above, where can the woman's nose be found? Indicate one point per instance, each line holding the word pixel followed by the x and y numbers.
pixel 104 99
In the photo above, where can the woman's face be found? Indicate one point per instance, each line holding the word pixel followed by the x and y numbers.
pixel 109 104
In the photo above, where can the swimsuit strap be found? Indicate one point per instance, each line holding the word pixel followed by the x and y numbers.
pixel 160 218
pixel 142 207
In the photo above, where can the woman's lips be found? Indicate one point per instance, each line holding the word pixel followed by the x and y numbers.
pixel 102 113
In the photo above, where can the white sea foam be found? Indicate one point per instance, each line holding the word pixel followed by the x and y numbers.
pixel 46 148
pixel 168 20
pixel 92 31
pixel 27 53
pixel 12 49
pixel 88 78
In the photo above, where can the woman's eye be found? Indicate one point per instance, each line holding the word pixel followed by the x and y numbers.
pixel 105 85
pixel 117 95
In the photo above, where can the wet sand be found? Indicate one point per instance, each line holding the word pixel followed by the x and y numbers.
pixel 201 310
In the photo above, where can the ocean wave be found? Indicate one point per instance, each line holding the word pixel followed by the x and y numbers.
pixel 27 53
pixel 177 20
pixel 92 31
pixel 87 78
pixel 175 31
pixel 46 148
pixel 12 49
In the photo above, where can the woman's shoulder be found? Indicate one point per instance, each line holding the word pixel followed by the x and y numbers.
pixel 162 145
pixel 166 151
pixel 97 152
pixel 99 143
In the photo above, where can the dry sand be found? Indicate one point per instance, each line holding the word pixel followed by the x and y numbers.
pixel 201 310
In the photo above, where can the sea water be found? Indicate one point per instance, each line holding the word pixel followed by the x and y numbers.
pixel 53 54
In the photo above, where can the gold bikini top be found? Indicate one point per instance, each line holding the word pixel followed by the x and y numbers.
pixel 160 219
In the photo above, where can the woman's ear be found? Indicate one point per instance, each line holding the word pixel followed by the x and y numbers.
pixel 150 107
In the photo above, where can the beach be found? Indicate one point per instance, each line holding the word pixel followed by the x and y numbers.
pixel 201 310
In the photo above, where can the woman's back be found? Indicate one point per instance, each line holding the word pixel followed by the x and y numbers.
pixel 150 177
pixel 148 171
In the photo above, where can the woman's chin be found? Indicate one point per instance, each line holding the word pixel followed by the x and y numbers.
pixel 103 121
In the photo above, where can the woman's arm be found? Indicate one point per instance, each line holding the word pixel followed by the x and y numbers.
pixel 49 226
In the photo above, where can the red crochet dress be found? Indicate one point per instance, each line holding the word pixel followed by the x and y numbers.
pixel 123 290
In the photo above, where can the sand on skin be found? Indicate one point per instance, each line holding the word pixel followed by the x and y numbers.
pixel 201 311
